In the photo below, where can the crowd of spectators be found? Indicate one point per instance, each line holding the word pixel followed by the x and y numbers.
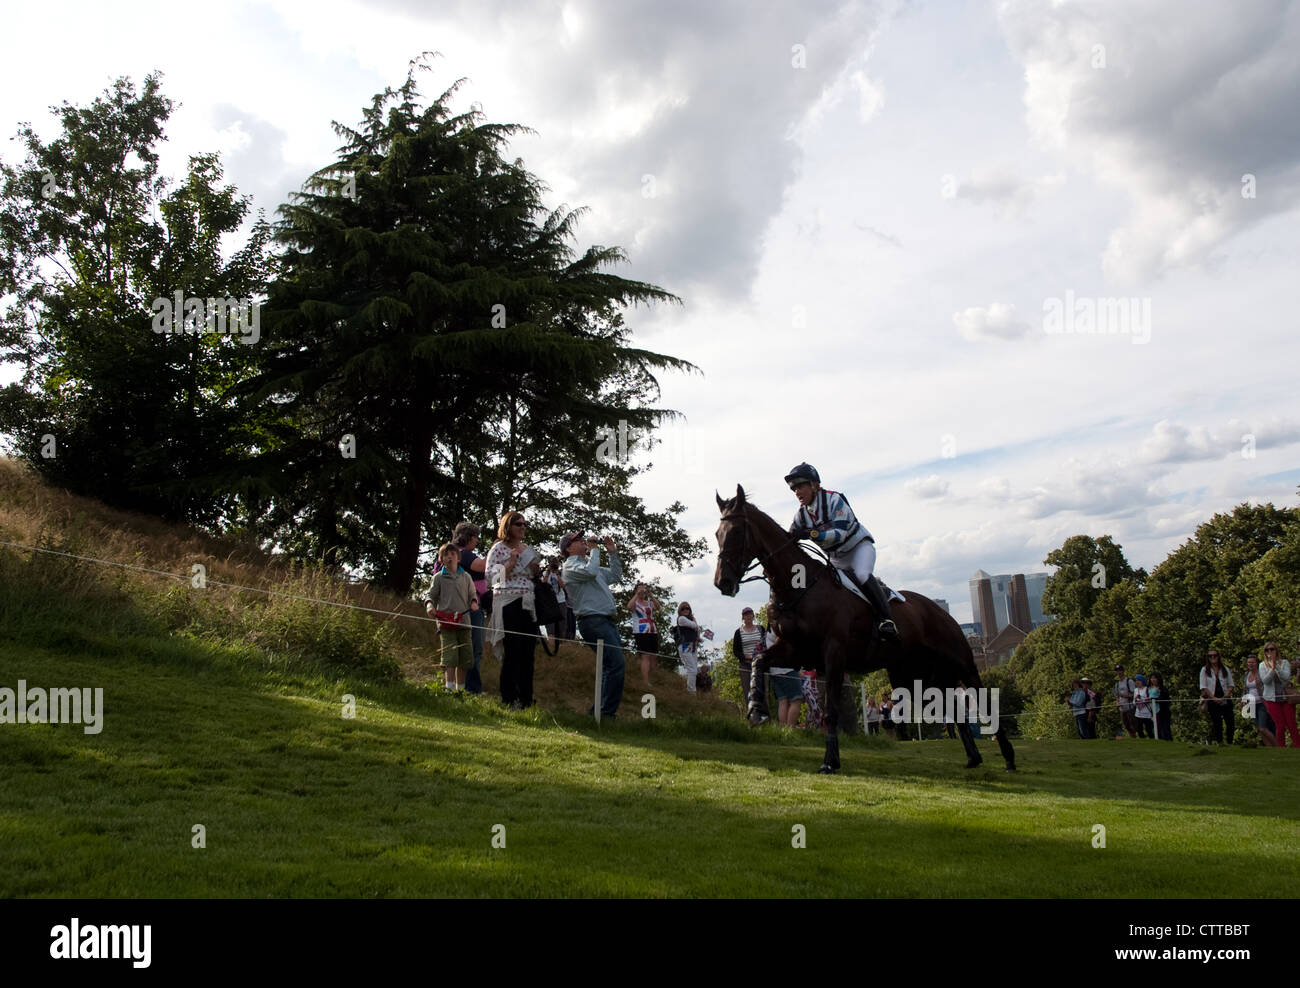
pixel 1145 705
pixel 476 599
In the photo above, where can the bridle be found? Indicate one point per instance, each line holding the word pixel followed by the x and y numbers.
pixel 761 559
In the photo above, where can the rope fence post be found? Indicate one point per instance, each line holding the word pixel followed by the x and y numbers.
pixel 600 675
pixel 865 729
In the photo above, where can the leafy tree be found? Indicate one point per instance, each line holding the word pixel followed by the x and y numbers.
pixel 1188 603
pixel 90 237
pixel 430 313
pixel 1085 567
pixel 1091 595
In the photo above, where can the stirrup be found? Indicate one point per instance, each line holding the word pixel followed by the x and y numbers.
pixel 889 631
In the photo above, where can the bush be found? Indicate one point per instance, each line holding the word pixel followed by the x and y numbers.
pixel 1047 717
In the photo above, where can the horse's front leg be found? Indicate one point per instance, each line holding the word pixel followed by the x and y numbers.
pixel 834 656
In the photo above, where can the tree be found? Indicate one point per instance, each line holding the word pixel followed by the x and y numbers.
pixel 1091 594
pixel 1189 603
pixel 1085 568
pixel 430 315
pixel 90 239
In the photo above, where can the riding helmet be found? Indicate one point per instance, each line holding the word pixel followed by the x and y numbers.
pixel 803 471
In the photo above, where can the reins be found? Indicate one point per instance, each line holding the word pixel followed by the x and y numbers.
pixel 761 559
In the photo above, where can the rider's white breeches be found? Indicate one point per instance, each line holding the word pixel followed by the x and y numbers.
pixel 859 561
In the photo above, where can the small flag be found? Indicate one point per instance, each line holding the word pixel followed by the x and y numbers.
pixel 708 634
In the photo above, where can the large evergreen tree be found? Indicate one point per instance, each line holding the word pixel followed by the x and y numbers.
pixel 437 349
pixel 90 237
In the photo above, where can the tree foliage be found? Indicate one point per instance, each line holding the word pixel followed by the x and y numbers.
pixel 1233 585
pixel 431 313
pixel 90 236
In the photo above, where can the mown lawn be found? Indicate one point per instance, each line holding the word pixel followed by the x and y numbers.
pixel 403 799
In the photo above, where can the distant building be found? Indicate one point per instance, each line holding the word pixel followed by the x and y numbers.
pixel 1001 648
pixel 1035 583
pixel 1007 600
pixel 944 604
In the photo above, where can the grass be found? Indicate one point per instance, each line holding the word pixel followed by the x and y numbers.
pixel 402 800
pixel 221 718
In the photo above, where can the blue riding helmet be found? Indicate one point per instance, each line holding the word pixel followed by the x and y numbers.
pixel 803 471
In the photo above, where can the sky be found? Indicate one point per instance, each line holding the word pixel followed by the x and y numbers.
pixel 1003 272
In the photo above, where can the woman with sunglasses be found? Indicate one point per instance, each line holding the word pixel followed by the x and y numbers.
pixel 1274 677
pixel 511 566
pixel 1216 687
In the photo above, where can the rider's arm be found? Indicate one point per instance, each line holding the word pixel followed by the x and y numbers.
pixel 839 524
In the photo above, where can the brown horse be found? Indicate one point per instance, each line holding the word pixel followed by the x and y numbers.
pixel 821 624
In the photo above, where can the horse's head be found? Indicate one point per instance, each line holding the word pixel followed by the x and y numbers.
pixel 735 547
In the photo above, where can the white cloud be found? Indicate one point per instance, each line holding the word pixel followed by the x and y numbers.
pixel 1174 104
pixel 997 321
pixel 927 488
pixel 1003 186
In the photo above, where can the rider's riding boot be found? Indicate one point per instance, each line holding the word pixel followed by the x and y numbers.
pixel 880 604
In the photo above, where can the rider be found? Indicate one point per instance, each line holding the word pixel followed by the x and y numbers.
pixel 825 517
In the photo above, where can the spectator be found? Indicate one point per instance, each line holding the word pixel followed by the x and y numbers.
pixel 872 715
pixel 1092 707
pixel 643 607
pixel 703 681
pixel 1160 706
pixel 1216 688
pixel 1124 688
pixel 1079 708
pixel 788 686
pixel 688 643
pixel 1274 678
pixel 587 584
pixel 511 567
pixel 556 629
pixel 465 537
pixel 887 714
pixel 808 687
pixel 451 599
pixel 1142 712
pixel 1263 722
pixel 747 639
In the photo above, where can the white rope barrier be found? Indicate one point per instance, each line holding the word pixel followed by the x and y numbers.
pixel 598 645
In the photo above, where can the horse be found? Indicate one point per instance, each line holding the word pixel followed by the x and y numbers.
pixel 819 621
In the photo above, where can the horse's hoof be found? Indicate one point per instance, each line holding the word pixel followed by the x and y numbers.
pixel 826 770
pixel 757 720
pixel 974 762
pixel 1010 767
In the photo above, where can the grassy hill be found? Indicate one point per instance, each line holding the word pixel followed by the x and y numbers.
pixel 225 710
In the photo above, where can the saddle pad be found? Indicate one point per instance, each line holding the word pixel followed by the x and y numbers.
pixel 848 584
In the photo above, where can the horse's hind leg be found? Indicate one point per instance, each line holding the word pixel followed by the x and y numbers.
pixel 973 757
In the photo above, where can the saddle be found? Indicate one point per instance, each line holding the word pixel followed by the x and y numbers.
pixel 848 583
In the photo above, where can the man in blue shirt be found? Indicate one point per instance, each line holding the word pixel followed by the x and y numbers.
pixel 587 584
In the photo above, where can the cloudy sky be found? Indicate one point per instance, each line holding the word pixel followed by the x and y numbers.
pixel 1004 272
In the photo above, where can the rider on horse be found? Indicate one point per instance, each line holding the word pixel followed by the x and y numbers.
pixel 825 517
